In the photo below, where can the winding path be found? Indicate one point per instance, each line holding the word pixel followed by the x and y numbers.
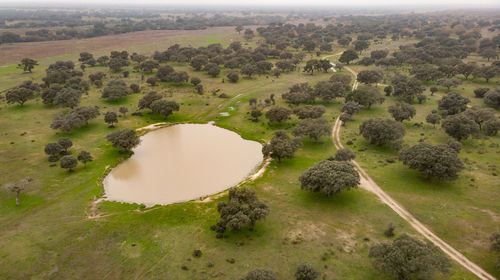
pixel 368 184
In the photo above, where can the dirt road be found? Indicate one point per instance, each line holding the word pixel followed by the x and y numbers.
pixel 368 184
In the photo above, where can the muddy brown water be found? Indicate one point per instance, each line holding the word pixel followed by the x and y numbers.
pixel 183 162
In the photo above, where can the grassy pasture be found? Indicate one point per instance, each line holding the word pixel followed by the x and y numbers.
pixel 50 236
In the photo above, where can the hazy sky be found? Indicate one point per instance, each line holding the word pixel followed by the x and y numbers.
pixel 450 3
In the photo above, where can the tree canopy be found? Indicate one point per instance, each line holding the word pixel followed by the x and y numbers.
pixel 329 177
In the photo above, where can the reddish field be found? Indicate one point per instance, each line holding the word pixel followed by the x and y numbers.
pixel 15 52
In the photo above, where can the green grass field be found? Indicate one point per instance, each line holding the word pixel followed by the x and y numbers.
pixel 51 237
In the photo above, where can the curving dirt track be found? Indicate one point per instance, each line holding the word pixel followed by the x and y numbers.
pixel 368 184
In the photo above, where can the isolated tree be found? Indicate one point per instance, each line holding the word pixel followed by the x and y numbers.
pixel 195 81
pixel 199 61
pixel 260 274
pixel 18 187
pixel 433 118
pixel 402 111
pixel 164 107
pixel 433 90
pixel 453 103
pixel 306 272
pixel 345 117
pixel 491 127
pixel 480 92
pixel 146 100
pixel 486 72
pixel 86 113
pixel 329 177
pixel 351 107
pixel 370 76
pixel 248 34
pixel 328 90
pixel 248 70
pixel 313 128
pixel 115 90
pixel 242 209
pixel 68 162
pixel 239 28
pixel 344 154
pixel 123 110
pixel 449 83
pixel 379 54
pixel 67 97
pixel 440 162
pixel 492 98
pixel 299 93
pixel 87 58
pixel 361 45
pixel 480 115
pixel 235 46
pixel 381 131
pixel 126 139
pixel 148 66
pixel 309 111
pixel 406 88
pixel 233 76
pixel 110 118
pixel 459 126
pixel 489 53
pixel 65 144
pixel 281 146
pixel 199 89
pixel 388 90
pixel 53 150
pixel 407 257
pixel 255 114
pixel 212 69
pixel 366 96
pixel 495 242
pixel 466 69
pixel 348 56
pixel 19 95
pixel 152 81
pixel 278 114
pixel 85 157
pixel 164 72
pixel 27 64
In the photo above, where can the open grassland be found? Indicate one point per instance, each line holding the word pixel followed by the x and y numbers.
pixel 50 236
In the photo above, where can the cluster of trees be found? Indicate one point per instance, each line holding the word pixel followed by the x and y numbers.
pixel 336 87
pixel 75 118
pixel 242 209
pixel 59 151
pixel 212 57
pixel 157 104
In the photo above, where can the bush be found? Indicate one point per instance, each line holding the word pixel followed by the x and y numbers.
pixel 344 154
pixel 260 274
pixel 306 272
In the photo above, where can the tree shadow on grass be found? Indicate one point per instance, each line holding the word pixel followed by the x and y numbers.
pixel 340 201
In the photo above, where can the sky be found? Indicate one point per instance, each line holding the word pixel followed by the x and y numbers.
pixel 309 3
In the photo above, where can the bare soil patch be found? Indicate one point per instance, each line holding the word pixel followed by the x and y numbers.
pixel 15 52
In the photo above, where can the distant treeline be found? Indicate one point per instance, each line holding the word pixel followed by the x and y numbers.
pixel 78 27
